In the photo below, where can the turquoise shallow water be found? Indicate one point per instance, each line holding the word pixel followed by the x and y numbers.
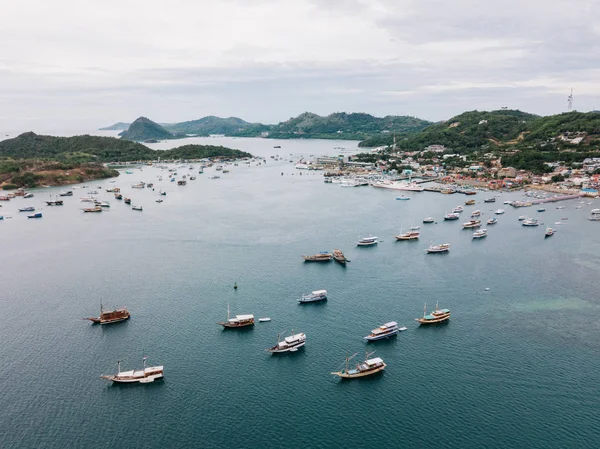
pixel 516 366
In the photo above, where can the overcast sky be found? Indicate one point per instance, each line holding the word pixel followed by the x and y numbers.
pixel 78 64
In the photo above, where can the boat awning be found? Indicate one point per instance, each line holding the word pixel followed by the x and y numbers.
pixel 319 292
pixel 244 317
pixel 126 373
pixel 375 361
pixel 390 324
pixel 294 338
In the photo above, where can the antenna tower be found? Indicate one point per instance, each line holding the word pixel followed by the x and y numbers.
pixel 570 101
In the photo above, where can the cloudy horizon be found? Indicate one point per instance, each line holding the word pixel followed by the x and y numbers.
pixel 69 65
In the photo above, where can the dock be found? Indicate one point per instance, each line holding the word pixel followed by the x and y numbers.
pixel 547 200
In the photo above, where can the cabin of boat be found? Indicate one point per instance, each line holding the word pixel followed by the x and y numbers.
pixel 384 331
pixel 437 316
pixel 289 344
pixel 366 368
pixel 339 256
pixel 321 257
pixel 317 295
pixel 367 241
pixel 143 376
pixel 111 316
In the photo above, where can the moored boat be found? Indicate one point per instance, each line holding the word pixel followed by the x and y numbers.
pixel 111 316
pixel 321 257
pixel 93 209
pixel 437 316
pixel 127 200
pixel 36 215
pixel 410 235
pixel 403 198
pixel 479 234
pixel 237 321
pixel 458 209
pixel 27 209
pixel 549 232
pixel 338 256
pixel 476 213
pixel 138 207
pixel 489 200
pixel 442 248
pixel 55 203
pixel 367 241
pixel 384 331
pixel 366 368
pixel 499 212
pixel 316 295
pixel 469 202
pixel 530 222
pixel 451 216
pixel 492 221
pixel 67 193
pixel 288 344
pixel 428 220
pixel 472 224
pixel 143 376
pixel 522 217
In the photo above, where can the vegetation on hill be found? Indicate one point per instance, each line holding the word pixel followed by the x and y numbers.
pixel 119 126
pixel 143 129
pixel 216 125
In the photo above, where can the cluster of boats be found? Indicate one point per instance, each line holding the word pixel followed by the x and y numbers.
pixel 325 256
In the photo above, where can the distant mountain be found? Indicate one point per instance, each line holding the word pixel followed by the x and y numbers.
pixel 119 126
pixel 214 125
pixel 340 125
pixel 143 129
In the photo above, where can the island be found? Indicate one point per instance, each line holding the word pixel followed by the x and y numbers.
pixel 30 160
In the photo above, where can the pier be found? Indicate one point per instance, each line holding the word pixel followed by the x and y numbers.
pixel 547 200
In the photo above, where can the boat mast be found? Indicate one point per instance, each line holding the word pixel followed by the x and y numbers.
pixel 118 367
pixel 227 311
pixel 425 310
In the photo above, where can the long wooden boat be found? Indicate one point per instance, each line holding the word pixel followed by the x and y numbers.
pixel 93 209
pixel 110 316
pixel 237 321
pixel 321 257
pixel 437 316
pixel 366 368
pixel 143 376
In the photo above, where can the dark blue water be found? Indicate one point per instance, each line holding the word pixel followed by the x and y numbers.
pixel 517 366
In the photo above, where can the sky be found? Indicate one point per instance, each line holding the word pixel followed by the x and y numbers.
pixel 80 64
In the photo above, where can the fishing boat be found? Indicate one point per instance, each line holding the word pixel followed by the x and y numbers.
pixel 317 295
pixel 384 331
pixel 476 213
pixel 237 321
pixel 492 221
pixel 437 316
pixel 143 376
pixel 367 241
pixel 499 212
pixel 530 222
pixel 55 203
pixel 489 200
pixel 127 200
pixel 403 198
pixel 410 235
pixel 479 234
pixel 338 256
pixel 469 202
pixel 321 257
pixel 451 216
pixel 111 316
pixel 36 215
pixel 136 208
pixel 442 248
pixel 27 209
pixel 93 209
pixel 288 344
pixel 471 224
pixel 428 220
pixel 549 232
pixel 67 193
pixel 366 368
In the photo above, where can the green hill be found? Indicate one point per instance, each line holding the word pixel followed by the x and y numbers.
pixel 340 125
pixel 119 126
pixel 82 149
pixel 143 129
pixel 214 125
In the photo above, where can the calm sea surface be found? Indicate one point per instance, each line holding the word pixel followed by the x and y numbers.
pixel 517 366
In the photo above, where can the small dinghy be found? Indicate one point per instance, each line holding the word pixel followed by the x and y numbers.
pixel 264 320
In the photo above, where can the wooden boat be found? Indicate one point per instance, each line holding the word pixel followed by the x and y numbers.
pixel 127 200
pixel 321 257
pixel 93 209
pixel 118 196
pixel 111 316
pixel 411 235
pixel 237 321
pixel 36 215
pixel 143 376
pixel 442 248
pixel 366 368
pixel 437 316
pixel 472 224
pixel 339 257
pixel 469 202
pixel 288 344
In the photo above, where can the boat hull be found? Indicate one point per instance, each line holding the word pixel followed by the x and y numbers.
pixel 277 350
pixel 235 326
pixel 112 321
pixel 127 380
pixel 384 336
pixel 423 321
pixel 343 375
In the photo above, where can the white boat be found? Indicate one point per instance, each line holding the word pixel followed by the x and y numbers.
pixel 442 248
pixel 476 213
pixel 410 235
pixel 428 220
pixel 492 221
pixel 384 331
pixel 594 211
pixel 399 185
pixel 549 232
pixel 366 368
pixel 530 222
pixel 480 234
pixel 522 217
pixel 403 198
pixel 143 376
pixel 317 295
pixel 264 320
pixel 288 344
pixel 499 212
pixel 458 209
pixel 541 209
pixel 88 199
pixel 508 202
pixel 472 224
pixel 451 216
pixel 367 241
